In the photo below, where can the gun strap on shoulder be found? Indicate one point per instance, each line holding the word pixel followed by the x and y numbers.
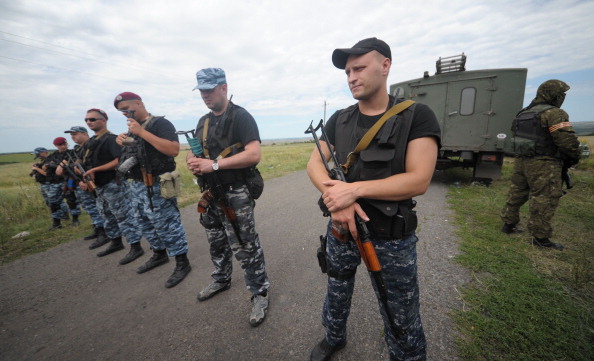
pixel 225 151
pixel 364 142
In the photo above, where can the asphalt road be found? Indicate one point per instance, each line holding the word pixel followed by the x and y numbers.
pixel 68 304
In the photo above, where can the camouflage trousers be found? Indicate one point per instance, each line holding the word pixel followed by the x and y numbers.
pixel 113 203
pixel 55 197
pixel 72 198
pixel 224 243
pixel 538 181
pixel 161 225
pixel 89 204
pixel 398 258
pixel 44 188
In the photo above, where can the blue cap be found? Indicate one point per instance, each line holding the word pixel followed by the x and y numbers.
pixel 77 129
pixel 37 151
pixel 209 78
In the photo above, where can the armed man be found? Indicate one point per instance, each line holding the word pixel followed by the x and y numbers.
pixel 229 151
pixel 100 160
pixel 545 146
pixel 58 184
pixel 148 159
pixel 39 174
pixel 86 198
pixel 383 172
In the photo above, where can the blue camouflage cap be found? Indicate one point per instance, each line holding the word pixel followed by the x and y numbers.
pixel 37 151
pixel 209 78
pixel 76 129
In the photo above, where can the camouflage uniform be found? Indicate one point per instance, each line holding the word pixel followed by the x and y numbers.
pixel 55 189
pixel 161 225
pixel 224 243
pixel 538 178
pixel 398 258
pixel 113 203
pixel 89 204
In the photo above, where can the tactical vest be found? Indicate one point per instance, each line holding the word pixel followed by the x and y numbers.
pixel 384 157
pixel 530 138
pixel 158 162
pixel 219 137
pixel 92 147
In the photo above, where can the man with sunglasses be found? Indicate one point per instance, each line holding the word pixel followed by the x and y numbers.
pixel 151 145
pixel 100 159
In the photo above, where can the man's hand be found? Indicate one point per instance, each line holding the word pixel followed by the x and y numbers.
pixel 199 166
pixel 134 127
pixel 339 195
pixel 83 186
pixel 121 138
pixel 346 218
pixel 91 173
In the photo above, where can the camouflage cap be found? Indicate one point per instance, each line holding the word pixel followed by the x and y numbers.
pixel 552 87
pixel 37 151
pixel 76 129
pixel 209 78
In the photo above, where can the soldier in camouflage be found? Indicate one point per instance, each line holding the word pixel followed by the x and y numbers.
pixel 552 145
pixel 38 172
pixel 152 143
pixel 113 196
pixel 87 199
pixel 56 191
pixel 228 214
pixel 389 175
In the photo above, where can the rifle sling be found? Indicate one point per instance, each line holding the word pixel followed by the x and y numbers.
pixel 368 137
pixel 225 151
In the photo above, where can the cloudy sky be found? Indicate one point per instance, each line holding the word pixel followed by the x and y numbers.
pixel 59 58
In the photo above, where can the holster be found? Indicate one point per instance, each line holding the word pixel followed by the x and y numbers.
pixel 322 254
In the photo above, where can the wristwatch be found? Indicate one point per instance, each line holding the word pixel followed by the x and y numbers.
pixel 215 165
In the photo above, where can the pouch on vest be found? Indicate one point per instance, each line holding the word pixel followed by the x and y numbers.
pixel 170 183
pixel 254 182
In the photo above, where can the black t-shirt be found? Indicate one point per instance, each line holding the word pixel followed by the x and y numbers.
pixel 244 130
pixel 424 124
pixel 105 153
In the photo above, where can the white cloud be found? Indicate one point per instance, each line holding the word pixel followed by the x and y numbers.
pixel 59 58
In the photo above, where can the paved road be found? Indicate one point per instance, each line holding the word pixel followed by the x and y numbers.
pixel 68 304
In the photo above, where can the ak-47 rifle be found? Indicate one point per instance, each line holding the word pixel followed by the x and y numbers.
pixel 141 158
pixel 82 177
pixel 363 240
pixel 216 191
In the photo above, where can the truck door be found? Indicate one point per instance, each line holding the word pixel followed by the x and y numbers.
pixel 467 112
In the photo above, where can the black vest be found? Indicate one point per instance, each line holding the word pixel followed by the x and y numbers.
pixel 530 137
pixel 385 156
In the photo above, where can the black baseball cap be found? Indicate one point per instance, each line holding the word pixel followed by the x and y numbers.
pixel 340 56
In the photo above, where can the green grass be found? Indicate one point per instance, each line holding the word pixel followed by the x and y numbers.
pixel 525 303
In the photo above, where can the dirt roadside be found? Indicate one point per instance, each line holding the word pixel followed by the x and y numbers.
pixel 68 304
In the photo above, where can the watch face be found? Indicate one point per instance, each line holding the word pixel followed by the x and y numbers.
pixel 215 165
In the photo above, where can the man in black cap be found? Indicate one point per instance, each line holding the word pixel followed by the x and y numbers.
pixel 396 165
pixel 56 191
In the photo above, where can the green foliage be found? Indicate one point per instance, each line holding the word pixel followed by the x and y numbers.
pixel 527 303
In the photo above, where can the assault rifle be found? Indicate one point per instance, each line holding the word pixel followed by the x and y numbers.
pixel 363 240
pixel 216 191
pixel 82 177
pixel 140 158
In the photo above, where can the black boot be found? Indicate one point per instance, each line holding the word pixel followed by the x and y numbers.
pixel 159 258
pixel 101 238
pixel 56 225
pixel 135 252
pixel 115 245
pixel 93 235
pixel 182 268
pixel 75 221
pixel 510 228
pixel 546 243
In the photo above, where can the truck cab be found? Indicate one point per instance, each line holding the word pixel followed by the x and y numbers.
pixel 475 110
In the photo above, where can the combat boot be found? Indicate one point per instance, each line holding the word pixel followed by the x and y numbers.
pixel 101 238
pixel 546 243
pixel 75 222
pixel 510 228
pixel 182 268
pixel 159 258
pixel 93 235
pixel 135 252
pixel 115 245
pixel 56 225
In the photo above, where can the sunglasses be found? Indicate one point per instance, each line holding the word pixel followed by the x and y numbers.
pixel 92 119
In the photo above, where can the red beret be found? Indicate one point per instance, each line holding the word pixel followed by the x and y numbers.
pixel 104 114
pixel 125 96
pixel 59 140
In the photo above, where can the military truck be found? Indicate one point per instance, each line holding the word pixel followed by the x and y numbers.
pixel 475 110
